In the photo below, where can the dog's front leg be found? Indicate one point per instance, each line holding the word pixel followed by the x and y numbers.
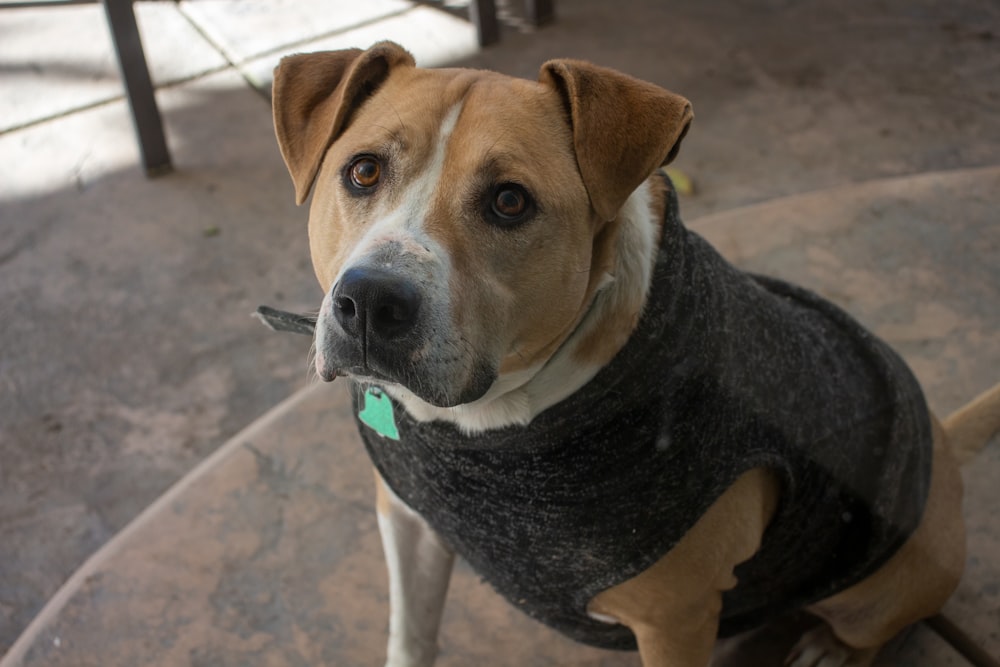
pixel 673 607
pixel 419 569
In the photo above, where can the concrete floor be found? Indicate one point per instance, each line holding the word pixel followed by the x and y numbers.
pixel 126 351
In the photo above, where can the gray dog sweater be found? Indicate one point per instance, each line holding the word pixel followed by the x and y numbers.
pixel 725 372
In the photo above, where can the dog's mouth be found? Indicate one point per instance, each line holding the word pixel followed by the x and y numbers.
pixel 388 367
pixel 417 383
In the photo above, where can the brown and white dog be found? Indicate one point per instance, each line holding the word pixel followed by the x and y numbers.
pixel 486 245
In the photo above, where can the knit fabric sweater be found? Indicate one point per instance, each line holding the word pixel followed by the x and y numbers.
pixel 725 372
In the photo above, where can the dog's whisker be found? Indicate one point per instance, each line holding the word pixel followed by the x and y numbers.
pixel 402 125
pixel 312 377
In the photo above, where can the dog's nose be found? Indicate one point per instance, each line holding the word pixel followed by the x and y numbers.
pixel 376 303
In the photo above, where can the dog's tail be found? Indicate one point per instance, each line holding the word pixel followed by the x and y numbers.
pixel 971 426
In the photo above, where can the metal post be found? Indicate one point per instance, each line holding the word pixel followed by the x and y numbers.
pixel 138 87
pixel 483 13
pixel 540 12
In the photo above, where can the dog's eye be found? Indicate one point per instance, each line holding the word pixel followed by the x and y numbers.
pixel 510 203
pixel 365 172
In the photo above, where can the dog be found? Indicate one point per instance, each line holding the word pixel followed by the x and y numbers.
pixel 631 440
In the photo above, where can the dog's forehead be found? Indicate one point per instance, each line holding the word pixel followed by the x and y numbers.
pixel 505 111
pixel 450 85
pixel 521 120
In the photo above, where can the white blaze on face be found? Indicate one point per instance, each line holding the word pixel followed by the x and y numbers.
pixel 396 239
pixel 404 224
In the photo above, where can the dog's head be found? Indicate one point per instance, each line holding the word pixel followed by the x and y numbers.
pixel 461 219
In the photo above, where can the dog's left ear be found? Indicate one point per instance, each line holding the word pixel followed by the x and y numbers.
pixel 623 128
pixel 313 96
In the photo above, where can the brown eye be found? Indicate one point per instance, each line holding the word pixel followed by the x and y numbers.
pixel 365 172
pixel 510 202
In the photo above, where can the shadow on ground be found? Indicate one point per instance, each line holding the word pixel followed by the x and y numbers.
pixel 128 351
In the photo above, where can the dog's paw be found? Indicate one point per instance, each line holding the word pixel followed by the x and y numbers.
pixel 819 647
pixel 410 653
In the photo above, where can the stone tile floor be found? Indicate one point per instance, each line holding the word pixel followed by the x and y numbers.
pixel 126 351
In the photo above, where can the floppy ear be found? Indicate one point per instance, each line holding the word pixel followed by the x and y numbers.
pixel 313 97
pixel 623 128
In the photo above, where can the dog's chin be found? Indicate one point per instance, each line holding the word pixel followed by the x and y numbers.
pixel 439 395
pixel 470 394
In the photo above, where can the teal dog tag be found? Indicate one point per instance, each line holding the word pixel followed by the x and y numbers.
pixel 377 414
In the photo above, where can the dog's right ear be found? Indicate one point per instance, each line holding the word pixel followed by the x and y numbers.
pixel 313 97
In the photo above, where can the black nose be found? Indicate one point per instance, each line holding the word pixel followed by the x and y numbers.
pixel 375 303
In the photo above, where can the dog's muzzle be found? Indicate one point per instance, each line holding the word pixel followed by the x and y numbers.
pixel 387 319
pixel 369 326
